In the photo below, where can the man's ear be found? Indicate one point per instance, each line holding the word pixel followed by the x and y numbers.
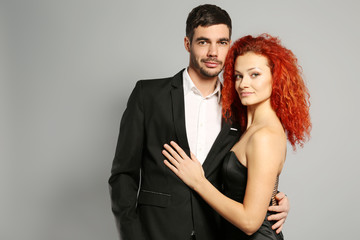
pixel 187 44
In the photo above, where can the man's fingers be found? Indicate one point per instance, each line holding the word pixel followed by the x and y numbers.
pixel 274 208
pixel 278 224
pixel 279 229
pixel 277 217
pixel 283 202
pixel 279 196
pixel 278 208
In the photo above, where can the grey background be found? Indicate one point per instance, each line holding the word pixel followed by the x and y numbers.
pixel 67 69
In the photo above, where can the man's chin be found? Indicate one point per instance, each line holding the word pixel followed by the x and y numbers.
pixel 210 74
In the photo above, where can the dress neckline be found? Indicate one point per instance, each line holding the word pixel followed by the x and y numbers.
pixel 233 153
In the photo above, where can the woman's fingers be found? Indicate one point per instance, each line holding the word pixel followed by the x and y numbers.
pixel 193 157
pixel 173 153
pixel 179 149
pixel 170 158
pixel 172 168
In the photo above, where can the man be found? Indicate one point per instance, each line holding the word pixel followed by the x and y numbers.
pixel 148 200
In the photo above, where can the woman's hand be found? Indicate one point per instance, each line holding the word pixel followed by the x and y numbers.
pixel 189 170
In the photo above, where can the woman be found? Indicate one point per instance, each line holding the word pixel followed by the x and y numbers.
pixel 264 91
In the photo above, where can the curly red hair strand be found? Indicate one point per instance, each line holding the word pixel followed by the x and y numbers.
pixel 289 98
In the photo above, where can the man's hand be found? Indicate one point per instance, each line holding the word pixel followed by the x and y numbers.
pixel 282 211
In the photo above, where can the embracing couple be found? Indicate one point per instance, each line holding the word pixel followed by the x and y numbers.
pixel 200 159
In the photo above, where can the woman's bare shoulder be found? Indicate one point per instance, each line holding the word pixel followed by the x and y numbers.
pixel 268 134
pixel 267 141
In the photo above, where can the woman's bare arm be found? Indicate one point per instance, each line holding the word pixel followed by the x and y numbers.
pixel 265 155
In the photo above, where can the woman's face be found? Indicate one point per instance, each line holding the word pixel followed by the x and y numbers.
pixel 253 79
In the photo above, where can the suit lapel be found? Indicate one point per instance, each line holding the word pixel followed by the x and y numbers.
pixel 177 97
pixel 227 137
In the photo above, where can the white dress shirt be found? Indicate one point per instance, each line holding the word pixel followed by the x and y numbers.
pixel 202 117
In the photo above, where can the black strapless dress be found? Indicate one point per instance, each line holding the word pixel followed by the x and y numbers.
pixel 235 178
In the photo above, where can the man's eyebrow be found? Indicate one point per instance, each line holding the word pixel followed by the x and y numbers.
pixel 207 39
pixel 224 40
pixel 202 39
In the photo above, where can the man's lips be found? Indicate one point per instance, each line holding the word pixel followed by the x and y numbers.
pixel 210 63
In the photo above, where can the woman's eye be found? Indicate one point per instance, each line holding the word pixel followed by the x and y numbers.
pixel 255 75
pixel 238 76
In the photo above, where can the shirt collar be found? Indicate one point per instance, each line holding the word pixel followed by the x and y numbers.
pixel 189 86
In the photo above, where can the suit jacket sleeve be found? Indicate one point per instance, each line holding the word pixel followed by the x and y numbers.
pixel 125 172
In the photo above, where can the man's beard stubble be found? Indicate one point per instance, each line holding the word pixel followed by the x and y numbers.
pixel 204 71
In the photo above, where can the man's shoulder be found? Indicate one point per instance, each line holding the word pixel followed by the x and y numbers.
pixel 155 81
pixel 159 83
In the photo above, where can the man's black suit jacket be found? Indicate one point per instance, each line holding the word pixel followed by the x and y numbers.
pixel 148 200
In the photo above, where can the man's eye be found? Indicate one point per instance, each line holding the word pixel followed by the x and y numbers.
pixel 202 42
pixel 224 43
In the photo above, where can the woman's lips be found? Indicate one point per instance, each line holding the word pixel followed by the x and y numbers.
pixel 246 94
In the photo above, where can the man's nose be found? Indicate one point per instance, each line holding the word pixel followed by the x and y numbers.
pixel 213 50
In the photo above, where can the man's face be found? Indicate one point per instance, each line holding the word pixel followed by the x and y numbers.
pixel 208 49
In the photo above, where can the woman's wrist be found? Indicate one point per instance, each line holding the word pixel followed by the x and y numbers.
pixel 200 184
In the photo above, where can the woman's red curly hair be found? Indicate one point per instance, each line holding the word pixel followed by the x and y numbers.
pixel 289 98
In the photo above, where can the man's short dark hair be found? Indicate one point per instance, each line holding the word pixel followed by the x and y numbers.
pixel 206 15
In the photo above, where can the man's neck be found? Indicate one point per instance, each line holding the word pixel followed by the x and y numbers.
pixel 206 85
